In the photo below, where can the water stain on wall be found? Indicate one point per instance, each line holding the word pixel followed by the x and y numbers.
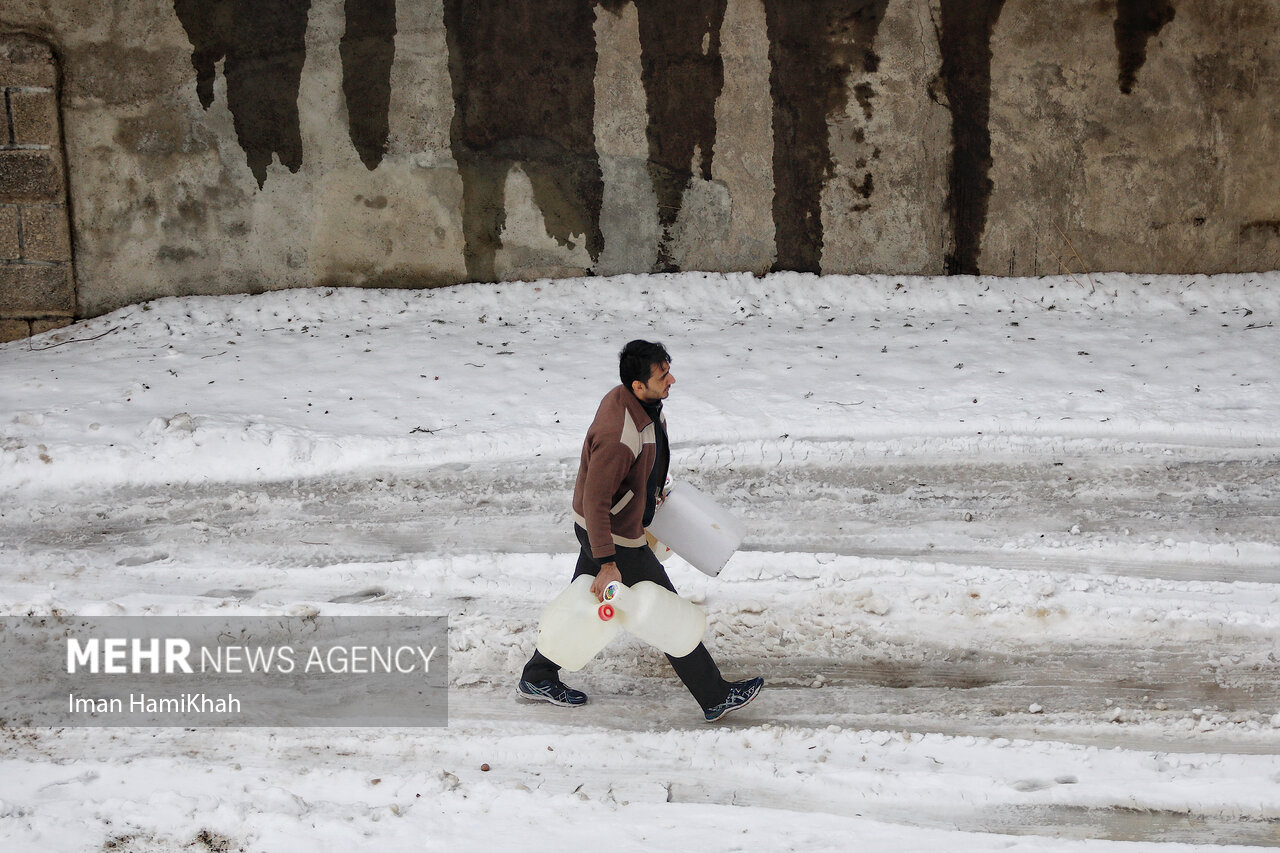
pixel 263 43
pixel 1137 22
pixel 367 49
pixel 813 48
pixel 683 74
pixel 967 26
pixel 523 77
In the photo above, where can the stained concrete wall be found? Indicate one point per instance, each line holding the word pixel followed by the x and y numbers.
pixel 220 146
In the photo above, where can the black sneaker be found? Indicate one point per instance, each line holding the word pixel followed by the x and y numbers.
pixel 740 693
pixel 551 691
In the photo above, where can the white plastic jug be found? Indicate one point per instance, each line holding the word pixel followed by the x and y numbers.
pixel 575 626
pixel 658 616
pixel 702 532
pixel 571 630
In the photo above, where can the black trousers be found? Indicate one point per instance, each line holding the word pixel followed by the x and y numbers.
pixel 697 669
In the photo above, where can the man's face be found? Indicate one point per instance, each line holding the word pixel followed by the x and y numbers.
pixel 658 386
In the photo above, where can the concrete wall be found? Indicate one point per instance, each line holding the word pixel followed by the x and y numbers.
pixel 220 146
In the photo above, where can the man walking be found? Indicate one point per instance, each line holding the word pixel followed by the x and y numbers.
pixel 620 478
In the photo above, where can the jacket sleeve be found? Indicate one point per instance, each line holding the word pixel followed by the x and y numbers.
pixel 609 462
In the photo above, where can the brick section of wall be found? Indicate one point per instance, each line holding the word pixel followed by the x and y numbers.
pixel 45 236
pixel 37 289
pixel 31 290
pixel 10 242
pixel 12 330
pixel 34 115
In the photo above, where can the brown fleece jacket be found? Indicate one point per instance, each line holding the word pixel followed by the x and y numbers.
pixel 617 457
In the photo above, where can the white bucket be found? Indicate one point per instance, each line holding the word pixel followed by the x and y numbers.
pixel 697 528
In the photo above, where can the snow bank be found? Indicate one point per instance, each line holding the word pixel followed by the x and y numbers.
pixel 308 383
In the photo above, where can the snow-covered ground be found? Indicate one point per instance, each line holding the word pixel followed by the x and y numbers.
pixel 1012 575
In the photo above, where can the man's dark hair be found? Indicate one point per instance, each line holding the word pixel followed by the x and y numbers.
pixel 637 359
